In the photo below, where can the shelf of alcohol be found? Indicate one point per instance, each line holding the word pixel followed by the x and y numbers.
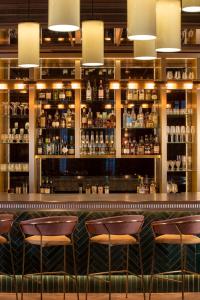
pixel 14 143
pixel 54 128
pixel 179 171
pixel 178 143
pixel 97 156
pixel 143 128
pixel 15 116
pixel 126 102
pixel 141 156
pixel 43 156
pixel 103 101
pixel 96 128
pixel 56 104
pixel 6 171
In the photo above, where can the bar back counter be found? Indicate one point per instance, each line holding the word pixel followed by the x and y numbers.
pixel 87 207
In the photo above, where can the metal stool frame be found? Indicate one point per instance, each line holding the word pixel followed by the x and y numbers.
pixel 64 272
pixel 110 245
pixel 180 225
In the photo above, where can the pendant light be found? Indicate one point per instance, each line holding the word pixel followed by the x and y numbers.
pixel 92 42
pixel 64 15
pixel 145 50
pixel 168 23
pixel 192 6
pixel 28 43
pixel 141 19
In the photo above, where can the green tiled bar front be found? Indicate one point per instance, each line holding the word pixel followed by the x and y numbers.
pixel 167 257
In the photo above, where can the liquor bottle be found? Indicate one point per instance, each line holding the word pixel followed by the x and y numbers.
pixel 90 118
pixel 61 95
pixel 48 95
pixel 83 143
pixel 55 95
pixel 141 146
pixel 71 149
pixel 154 114
pixel 56 120
pixel 152 188
pixel 129 120
pixel 129 94
pixel 88 92
pixel 141 95
pixel 147 148
pixel 154 95
pixel 40 145
pixel 102 145
pixel 84 120
pixel 42 120
pixel 107 92
pixel 148 95
pixel 92 144
pixel 135 95
pixel 95 90
pixel 64 148
pixel 63 121
pixel 101 91
pixel 141 186
pixel 69 118
pixel 97 148
pixel 156 148
pixel 68 93
pixel 49 121
pixel 140 118
pixel 112 145
pixel 133 117
pixel 125 117
pixel 112 119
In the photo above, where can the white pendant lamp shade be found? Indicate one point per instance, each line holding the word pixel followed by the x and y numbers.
pixel 93 43
pixel 191 5
pixel 28 44
pixel 141 19
pixel 64 15
pixel 145 50
pixel 168 23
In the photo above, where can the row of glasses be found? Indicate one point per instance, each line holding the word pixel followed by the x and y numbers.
pixel 14 167
pixel 15 108
pixel 180 134
pixel 180 75
pixel 172 187
pixel 180 164
pixel 179 111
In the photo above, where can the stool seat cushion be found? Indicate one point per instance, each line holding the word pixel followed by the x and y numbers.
pixel 3 240
pixel 48 241
pixel 114 239
pixel 176 239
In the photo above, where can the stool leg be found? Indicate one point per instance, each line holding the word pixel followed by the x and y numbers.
pixel 127 268
pixel 109 269
pixel 141 268
pixel 182 270
pixel 75 269
pixel 41 277
pixel 64 281
pixel 23 267
pixel 88 269
pixel 152 270
pixel 13 268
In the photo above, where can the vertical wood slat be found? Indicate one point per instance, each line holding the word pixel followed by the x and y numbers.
pixel 118 110
pixel 163 140
pixel 77 110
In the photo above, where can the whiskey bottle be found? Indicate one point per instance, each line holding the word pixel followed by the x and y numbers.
pixel 141 95
pixel 56 120
pixel 140 118
pixel 156 148
pixel 154 95
pixel 101 91
pixel 135 95
pixel 61 95
pixel 84 120
pixel 141 146
pixel 42 120
pixel 90 118
pixel 68 93
pixel 148 95
pixel 95 90
pixel 63 121
pixel 69 118
pixel 88 92
pixel 40 145
pixel 147 148
pixel 71 149
pixel 129 94
pixel 125 117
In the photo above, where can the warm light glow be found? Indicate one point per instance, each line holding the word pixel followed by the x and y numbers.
pixel 145 105
pixel 171 85
pixel 131 105
pixel 40 86
pixel 64 16
pixel 47 106
pixel 188 86
pixel 28 44
pixel 61 39
pixel 108 106
pixel 132 85
pixel 93 43
pixel 72 106
pixel 114 85
pixel 83 106
pixel 47 39
pixel 145 50
pixel 19 86
pixel 192 6
pixel 61 106
pixel 3 86
pixel 150 86
pixel 75 85
pixel 168 24
pixel 58 86
pixel 141 19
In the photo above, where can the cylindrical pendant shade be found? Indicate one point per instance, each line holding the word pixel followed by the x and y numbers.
pixel 93 43
pixel 168 23
pixel 145 50
pixel 191 5
pixel 64 15
pixel 28 44
pixel 141 19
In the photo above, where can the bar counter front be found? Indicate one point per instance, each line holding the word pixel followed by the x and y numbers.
pixel 88 207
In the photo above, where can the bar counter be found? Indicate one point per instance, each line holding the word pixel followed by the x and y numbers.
pixel 87 207
pixel 95 202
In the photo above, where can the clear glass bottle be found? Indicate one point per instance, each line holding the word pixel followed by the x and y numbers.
pixel 89 91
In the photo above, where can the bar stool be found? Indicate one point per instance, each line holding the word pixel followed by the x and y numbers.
pixel 115 231
pixel 47 232
pixel 6 222
pixel 181 231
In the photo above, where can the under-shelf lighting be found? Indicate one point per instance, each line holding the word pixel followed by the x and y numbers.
pixel 64 15
pixel 132 85
pixel 40 86
pixel 188 86
pixel 114 85
pixel 191 6
pixel 19 86
pixel 58 86
pixel 76 85
pixel 168 24
pixel 141 19
pixel 150 85
pixel 3 86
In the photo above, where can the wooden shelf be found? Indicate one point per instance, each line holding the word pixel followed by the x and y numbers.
pixel 54 156
pixel 142 156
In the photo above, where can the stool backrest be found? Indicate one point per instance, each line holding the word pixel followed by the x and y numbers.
pixel 6 221
pixel 57 225
pixel 182 225
pixel 119 225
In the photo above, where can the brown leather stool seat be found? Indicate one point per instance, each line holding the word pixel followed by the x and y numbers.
pixel 6 222
pixel 48 232
pixel 115 231
pixel 181 231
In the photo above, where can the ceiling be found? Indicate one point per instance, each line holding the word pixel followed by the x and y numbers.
pixel 112 12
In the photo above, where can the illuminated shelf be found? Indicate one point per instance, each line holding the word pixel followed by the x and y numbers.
pixel 142 156
pixel 54 156
pixel 98 156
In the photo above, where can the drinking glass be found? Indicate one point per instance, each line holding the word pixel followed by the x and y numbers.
pixel 170 75
pixel 178 164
